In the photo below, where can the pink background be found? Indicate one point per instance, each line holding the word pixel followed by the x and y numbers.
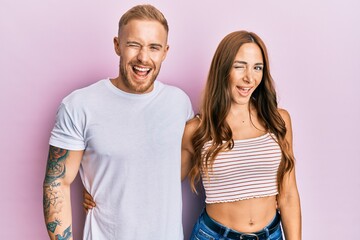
pixel 49 48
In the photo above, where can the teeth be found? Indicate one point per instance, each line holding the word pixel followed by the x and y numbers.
pixel 141 69
pixel 245 89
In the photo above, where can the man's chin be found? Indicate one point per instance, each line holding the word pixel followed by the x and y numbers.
pixel 142 88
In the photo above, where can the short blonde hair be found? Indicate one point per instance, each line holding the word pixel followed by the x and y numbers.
pixel 143 12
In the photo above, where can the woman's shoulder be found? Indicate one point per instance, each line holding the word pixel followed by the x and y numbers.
pixel 285 116
pixel 283 112
pixel 193 123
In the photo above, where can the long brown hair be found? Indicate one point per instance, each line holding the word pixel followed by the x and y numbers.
pixel 216 104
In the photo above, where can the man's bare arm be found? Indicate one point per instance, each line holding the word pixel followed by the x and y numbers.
pixel 62 167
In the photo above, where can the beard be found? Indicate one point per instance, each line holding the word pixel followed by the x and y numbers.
pixel 134 86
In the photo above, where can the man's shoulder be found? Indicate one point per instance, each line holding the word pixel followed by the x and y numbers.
pixel 173 90
pixel 84 93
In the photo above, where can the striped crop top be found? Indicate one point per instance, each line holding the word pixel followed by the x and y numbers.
pixel 249 170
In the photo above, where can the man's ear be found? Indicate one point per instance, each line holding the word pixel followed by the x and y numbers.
pixel 117 46
pixel 165 52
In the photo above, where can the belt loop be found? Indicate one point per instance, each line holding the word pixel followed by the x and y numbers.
pixel 227 230
pixel 267 232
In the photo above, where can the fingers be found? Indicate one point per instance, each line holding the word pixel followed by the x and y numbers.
pixel 86 207
pixel 88 197
pixel 88 202
pixel 86 194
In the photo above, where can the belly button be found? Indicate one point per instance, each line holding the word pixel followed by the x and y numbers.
pixel 251 222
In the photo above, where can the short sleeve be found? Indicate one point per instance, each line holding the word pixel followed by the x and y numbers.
pixel 190 111
pixel 66 133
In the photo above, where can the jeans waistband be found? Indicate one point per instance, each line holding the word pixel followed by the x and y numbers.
pixel 260 235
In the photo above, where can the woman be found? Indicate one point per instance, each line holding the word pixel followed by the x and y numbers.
pixel 240 146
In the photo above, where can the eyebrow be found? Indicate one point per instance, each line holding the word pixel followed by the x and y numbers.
pixel 151 44
pixel 156 45
pixel 133 42
pixel 243 62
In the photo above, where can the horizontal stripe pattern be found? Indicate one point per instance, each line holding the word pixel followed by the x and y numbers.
pixel 249 170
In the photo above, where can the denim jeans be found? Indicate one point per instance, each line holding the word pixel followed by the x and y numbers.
pixel 202 232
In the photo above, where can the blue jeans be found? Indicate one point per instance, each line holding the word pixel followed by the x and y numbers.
pixel 205 226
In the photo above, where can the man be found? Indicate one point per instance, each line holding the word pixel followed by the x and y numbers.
pixel 124 134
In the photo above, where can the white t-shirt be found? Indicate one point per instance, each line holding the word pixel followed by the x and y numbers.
pixel 132 159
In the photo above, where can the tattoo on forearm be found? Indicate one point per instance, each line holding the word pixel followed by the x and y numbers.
pixel 51 226
pixel 53 197
pixel 66 234
pixel 52 200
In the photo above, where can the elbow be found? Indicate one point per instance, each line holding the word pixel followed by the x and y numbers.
pixel 289 201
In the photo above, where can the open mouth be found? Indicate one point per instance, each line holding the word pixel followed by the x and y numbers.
pixel 244 90
pixel 141 71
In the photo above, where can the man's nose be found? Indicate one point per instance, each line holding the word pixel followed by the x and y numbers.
pixel 143 55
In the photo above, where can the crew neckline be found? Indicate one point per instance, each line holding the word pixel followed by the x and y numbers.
pixel 119 92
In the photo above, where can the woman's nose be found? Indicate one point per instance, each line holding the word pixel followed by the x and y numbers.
pixel 248 77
